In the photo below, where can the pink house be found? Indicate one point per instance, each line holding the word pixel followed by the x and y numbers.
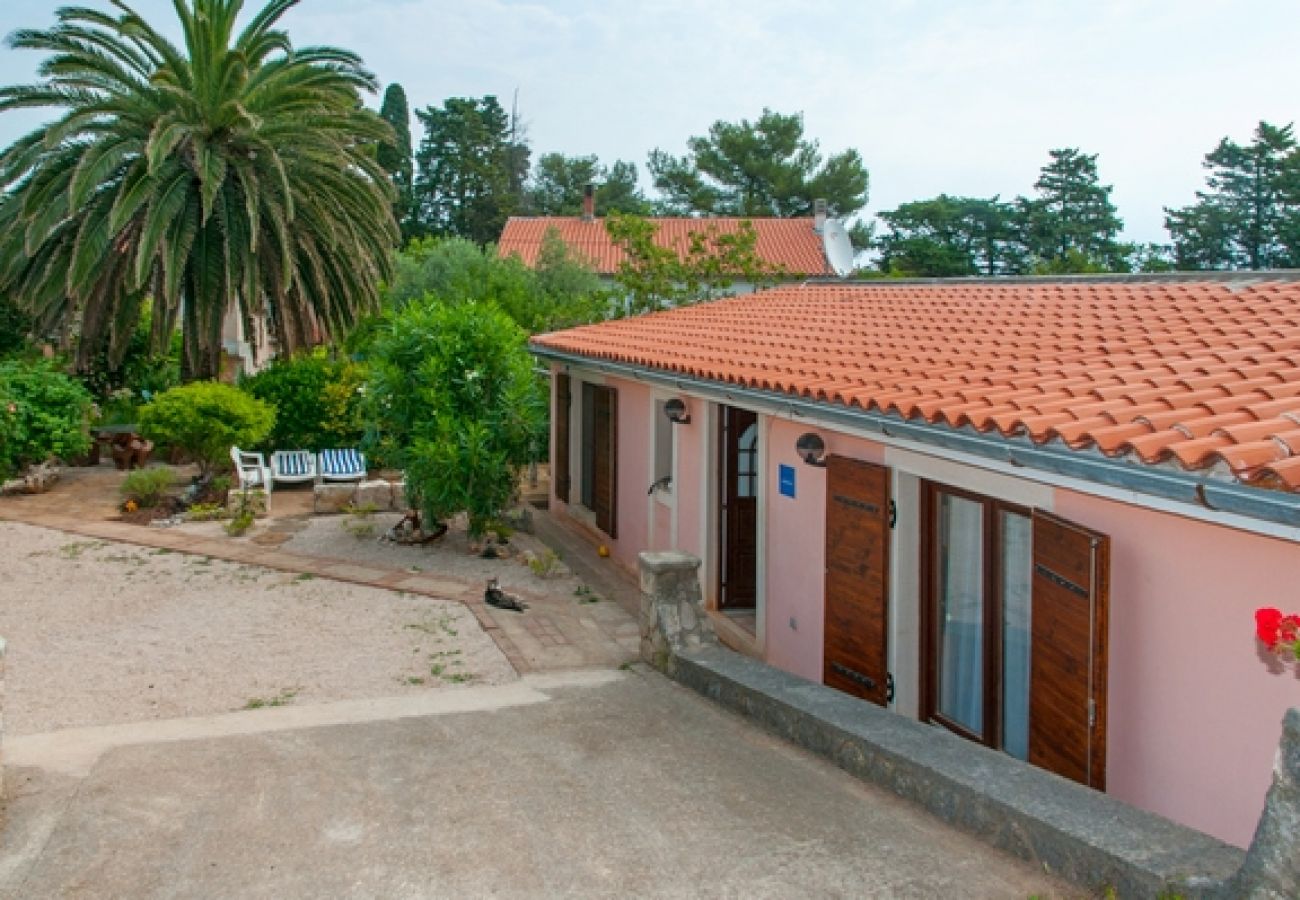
pixel 1039 514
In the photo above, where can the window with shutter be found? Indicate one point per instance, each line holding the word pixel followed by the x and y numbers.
pixel 1013 631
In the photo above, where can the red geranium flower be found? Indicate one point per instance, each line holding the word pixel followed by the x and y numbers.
pixel 1268 622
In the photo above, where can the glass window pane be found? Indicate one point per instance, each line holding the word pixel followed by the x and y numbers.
pixel 747 463
pixel 1017 562
pixel 961 611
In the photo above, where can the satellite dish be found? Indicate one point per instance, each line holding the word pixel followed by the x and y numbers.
pixel 838 247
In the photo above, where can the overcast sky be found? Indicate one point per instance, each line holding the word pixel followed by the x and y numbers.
pixel 945 96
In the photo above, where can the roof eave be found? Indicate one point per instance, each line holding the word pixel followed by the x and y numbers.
pixel 1278 507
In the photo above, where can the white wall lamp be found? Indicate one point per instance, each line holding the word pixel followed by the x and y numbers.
pixel 675 410
pixel 811 449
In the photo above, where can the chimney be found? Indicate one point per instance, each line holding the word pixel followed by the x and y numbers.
pixel 819 215
pixel 589 203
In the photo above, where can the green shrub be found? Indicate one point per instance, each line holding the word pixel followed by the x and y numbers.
pixel 205 419
pixel 455 399
pixel 317 401
pixel 121 386
pixel 147 486
pixel 43 413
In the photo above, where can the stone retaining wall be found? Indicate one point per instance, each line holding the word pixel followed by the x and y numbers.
pixel 1073 832
pixel 377 495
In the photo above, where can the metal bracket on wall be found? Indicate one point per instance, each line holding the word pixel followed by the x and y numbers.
pixel 893 513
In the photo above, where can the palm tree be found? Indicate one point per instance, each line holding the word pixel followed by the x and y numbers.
pixel 236 171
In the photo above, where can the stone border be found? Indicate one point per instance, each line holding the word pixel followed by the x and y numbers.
pixel 1073 832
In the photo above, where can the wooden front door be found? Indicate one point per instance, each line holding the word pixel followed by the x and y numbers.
pixel 1067 685
pixel 738 483
pixel 856 647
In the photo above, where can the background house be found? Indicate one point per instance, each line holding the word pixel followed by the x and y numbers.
pixel 1037 513
pixel 794 247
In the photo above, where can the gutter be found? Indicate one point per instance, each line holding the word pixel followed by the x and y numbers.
pixel 1275 513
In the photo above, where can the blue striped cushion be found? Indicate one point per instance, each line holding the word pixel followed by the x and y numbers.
pixel 342 462
pixel 294 463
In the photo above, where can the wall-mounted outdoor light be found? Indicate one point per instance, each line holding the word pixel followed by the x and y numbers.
pixel 811 449
pixel 675 410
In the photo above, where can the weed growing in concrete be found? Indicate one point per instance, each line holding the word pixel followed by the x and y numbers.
pixel 358 522
pixel 585 594
pixel 76 548
pixel 545 564
pixel 284 698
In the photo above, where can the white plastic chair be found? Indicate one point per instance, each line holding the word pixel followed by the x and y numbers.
pixel 251 469
pixel 341 465
pixel 293 466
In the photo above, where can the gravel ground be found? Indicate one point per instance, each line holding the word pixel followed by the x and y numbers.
pixel 103 633
pixel 451 555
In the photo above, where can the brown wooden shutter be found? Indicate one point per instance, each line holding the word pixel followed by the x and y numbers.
pixel 1067 686
pixel 604 449
pixel 560 452
pixel 856 648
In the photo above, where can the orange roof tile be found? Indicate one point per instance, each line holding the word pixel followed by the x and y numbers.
pixel 1198 374
pixel 791 244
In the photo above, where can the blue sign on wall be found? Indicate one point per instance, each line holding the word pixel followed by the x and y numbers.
pixel 785 478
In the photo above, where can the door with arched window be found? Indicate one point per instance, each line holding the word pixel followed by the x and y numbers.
pixel 738 497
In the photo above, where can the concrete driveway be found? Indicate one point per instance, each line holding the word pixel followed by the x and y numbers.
pixel 588 784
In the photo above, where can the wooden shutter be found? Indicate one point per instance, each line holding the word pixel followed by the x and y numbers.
pixel 1067 682
pixel 560 452
pixel 856 644
pixel 604 448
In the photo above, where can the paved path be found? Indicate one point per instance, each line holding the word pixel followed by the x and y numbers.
pixel 587 784
pixel 553 635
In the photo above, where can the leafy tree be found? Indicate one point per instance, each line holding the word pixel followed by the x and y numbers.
pixel 1071 225
pixel 762 168
pixel 15 325
pixel 231 170
pixel 566 288
pixel 559 293
pixel 317 400
pixel 142 371
pixel 1249 216
pixel 470 170
pixel 559 182
pixel 205 419
pixel 395 157
pixel 654 276
pixel 950 236
pixel 454 402
pixel 43 413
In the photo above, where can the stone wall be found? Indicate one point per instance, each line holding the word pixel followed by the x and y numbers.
pixel 1272 867
pixel 376 495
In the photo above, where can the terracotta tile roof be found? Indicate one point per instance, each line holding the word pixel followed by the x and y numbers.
pixel 1199 374
pixel 789 243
